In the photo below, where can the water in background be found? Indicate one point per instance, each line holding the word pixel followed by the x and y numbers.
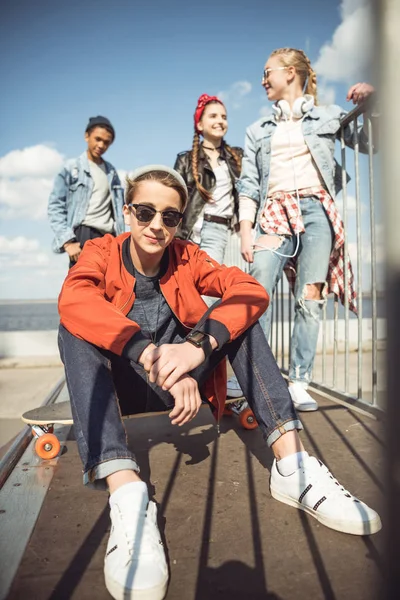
pixel 43 315
pixel 28 316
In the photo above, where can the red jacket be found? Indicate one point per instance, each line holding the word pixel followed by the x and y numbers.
pixel 98 293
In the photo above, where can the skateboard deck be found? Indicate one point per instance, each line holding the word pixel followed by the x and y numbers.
pixel 43 418
pixel 61 414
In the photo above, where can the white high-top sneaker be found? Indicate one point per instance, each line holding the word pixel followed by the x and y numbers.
pixel 314 489
pixel 233 388
pixel 301 398
pixel 134 566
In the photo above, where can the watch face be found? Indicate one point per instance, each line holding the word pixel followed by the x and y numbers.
pixel 197 337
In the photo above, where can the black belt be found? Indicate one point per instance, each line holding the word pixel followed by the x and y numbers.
pixel 220 220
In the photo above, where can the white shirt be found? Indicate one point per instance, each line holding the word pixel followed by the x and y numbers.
pixel 291 162
pixel 223 202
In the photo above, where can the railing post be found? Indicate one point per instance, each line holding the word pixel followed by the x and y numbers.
pixel 346 271
pixel 359 266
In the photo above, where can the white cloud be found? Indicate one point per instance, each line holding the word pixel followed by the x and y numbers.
pixel 351 203
pixel 326 94
pixel 35 161
pixel 26 180
pixel 30 258
pixel 22 252
pixel 17 244
pixel 264 111
pixel 235 94
pixel 366 255
pixel 347 56
pixel 28 269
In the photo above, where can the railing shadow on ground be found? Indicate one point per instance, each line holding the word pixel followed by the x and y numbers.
pixel 234 578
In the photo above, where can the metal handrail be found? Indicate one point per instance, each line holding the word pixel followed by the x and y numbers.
pixel 358 110
pixel 21 442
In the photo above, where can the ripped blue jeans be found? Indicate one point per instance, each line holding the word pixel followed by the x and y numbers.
pixel 312 267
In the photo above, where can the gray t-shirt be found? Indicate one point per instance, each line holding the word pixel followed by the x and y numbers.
pixel 154 316
pixel 152 313
pixel 99 211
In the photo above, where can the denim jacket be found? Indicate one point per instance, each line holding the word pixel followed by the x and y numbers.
pixel 321 129
pixel 69 199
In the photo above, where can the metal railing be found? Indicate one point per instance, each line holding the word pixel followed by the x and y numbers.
pixel 346 364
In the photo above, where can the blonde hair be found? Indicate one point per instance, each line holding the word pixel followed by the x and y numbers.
pixel 292 57
pixel 206 195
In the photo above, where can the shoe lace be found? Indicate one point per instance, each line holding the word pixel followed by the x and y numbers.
pixel 328 481
pixel 137 531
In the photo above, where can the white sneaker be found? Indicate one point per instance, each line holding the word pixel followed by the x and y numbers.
pixel 301 398
pixel 314 489
pixel 233 388
pixel 134 566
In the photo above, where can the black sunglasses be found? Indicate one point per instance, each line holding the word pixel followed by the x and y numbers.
pixel 145 214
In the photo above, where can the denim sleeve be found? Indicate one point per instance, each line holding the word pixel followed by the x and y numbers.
pixel 249 182
pixel 57 211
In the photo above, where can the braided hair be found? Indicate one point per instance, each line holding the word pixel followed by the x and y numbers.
pixel 292 57
pixel 207 197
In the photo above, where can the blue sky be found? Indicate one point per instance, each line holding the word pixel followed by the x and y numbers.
pixel 143 65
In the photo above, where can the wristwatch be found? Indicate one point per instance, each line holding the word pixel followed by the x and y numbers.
pixel 200 340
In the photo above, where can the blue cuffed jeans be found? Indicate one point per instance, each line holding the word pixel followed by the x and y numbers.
pixel 312 267
pixel 103 386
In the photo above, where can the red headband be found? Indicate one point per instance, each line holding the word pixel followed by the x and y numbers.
pixel 201 104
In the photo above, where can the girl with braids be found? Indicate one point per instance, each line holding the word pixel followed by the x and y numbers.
pixel 288 217
pixel 210 170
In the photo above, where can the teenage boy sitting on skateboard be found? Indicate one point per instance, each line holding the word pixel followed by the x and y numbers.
pixel 129 341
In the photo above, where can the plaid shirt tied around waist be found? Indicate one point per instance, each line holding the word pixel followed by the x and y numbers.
pixel 281 216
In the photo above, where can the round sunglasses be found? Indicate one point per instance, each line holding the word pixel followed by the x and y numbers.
pixel 145 214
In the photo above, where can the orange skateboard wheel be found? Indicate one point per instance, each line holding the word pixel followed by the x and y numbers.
pixel 47 446
pixel 247 419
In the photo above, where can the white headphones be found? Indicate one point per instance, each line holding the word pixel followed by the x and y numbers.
pixel 300 107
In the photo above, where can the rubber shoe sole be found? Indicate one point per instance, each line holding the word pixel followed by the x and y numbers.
pixel 121 593
pixel 366 528
pixel 306 407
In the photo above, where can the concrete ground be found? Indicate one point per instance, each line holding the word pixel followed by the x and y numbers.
pixel 22 387
pixel 225 537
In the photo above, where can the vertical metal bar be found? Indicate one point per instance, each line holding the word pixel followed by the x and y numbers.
pixel 335 339
pixel 282 327
pixel 359 264
pixel 289 324
pixel 346 271
pixel 276 303
pixel 324 342
pixel 271 330
pixel 373 263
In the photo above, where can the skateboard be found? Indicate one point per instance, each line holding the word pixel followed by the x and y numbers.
pixel 240 407
pixel 43 419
